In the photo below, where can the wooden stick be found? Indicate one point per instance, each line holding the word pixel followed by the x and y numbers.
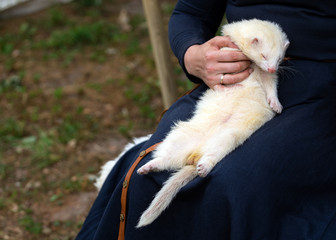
pixel 161 50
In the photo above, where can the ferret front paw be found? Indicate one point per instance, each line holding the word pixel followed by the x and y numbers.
pixel 149 167
pixel 275 104
pixel 203 169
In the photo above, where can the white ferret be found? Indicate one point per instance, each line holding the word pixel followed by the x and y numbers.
pixel 224 118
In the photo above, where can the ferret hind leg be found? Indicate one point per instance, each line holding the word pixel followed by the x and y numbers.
pixel 172 154
pixel 220 146
pixel 153 165
pixel 168 160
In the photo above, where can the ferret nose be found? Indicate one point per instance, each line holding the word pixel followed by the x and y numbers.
pixel 271 70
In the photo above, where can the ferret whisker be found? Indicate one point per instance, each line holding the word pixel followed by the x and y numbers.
pixel 287 71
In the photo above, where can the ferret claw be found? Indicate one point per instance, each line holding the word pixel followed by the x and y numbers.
pixel 145 169
pixel 275 105
pixel 203 169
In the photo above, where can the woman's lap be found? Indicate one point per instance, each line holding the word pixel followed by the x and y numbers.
pixel 282 177
pixel 280 184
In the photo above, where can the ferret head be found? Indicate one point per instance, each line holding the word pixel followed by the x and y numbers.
pixel 262 41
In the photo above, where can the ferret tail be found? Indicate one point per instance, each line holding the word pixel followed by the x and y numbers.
pixel 165 196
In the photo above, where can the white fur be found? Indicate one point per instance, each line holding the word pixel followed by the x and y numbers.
pixel 172 186
pixel 107 167
pixel 224 118
pixel 270 47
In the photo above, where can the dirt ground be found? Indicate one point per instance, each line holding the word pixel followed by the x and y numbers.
pixel 67 110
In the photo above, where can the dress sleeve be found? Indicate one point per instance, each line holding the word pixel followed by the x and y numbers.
pixel 193 22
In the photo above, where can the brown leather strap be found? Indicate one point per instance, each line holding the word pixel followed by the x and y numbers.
pixel 294 58
pixel 287 58
pixel 125 188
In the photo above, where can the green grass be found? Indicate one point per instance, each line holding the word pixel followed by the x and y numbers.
pixel 54 109
pixel 81 35
pixel 13 83
pixel 69 129
pixel 2 203
pixel 56 18
pixel 30 224
pixel 58 93
pixel 4 172
pixel 96 86
pixel 40 148
pixel 11 130
pixel 68 35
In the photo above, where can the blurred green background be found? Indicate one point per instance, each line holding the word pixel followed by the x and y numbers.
pixel 77 82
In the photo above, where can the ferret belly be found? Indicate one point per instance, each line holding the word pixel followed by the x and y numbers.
pixel 231 108
pixel 235 113
pixel 234 117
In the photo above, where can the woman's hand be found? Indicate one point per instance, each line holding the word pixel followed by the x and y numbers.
pixel 215 66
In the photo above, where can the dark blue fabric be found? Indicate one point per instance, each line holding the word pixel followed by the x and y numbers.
pixel 109 197
pixel 280 184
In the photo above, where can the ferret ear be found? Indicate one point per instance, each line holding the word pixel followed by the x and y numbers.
pixel 255 41
pixel 286 45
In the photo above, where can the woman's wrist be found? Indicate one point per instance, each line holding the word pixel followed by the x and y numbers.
pixel 191 59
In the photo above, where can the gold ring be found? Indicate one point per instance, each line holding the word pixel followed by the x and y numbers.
pixel 221 79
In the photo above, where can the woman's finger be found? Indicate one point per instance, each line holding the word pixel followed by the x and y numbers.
pixel 233 78
pixel 229 56
pixel 214 68
pixel 222 41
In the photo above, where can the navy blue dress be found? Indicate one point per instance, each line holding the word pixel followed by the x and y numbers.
pixel 281 183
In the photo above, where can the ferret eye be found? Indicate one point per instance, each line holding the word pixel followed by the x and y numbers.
pixel 263 56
